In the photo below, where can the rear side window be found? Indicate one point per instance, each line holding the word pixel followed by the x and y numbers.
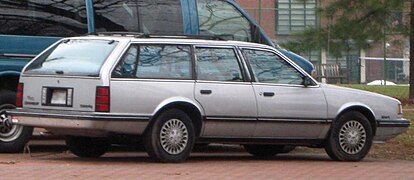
pixel 43 18
pixel 222 19
pixel 269 68
pixel 75 57
pixel 147 16
pixel 217 64
pixel 155 62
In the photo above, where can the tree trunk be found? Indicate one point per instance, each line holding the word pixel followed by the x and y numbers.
pixel 412 52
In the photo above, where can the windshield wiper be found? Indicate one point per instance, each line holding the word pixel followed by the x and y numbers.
pixel 54 59
pixel 59 72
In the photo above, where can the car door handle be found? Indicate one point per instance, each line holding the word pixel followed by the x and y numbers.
pixel 268 94
pixel 204 91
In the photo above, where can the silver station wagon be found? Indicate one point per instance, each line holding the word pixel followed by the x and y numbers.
pixel 171 92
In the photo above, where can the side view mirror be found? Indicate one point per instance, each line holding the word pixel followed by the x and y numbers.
pixel 307 81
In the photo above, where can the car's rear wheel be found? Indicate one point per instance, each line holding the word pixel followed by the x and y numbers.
pixel 171 137
pixel 350 138
pixel 263 150
pixel 12 137
pixel 87 147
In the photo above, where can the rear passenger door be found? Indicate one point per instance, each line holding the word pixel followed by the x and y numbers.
pixel 149 74
pixel 221 88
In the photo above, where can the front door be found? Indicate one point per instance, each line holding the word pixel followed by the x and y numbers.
pixel 286 108
pixel 229 102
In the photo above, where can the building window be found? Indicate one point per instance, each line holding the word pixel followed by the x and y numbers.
pixel 295 15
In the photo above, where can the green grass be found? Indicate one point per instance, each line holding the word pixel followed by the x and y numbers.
pixel 399 92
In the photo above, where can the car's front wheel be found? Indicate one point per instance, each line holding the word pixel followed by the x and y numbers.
pixel 263 150
pixel 171 137
pixel 350 138
pixel 87 147
pixel 12 137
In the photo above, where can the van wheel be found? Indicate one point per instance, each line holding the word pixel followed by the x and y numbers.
pixel 350 138
pixel 171 137
pixel 263 150
pixel 13 138
pixel 87 147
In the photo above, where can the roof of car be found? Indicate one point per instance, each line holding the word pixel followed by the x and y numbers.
pixel 171 39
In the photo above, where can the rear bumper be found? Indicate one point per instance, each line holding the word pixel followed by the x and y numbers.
pixel 387 129
pixel 74 123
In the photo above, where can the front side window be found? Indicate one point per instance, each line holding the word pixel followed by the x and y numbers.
pixel 75 57
pixel 269 68
pixel 43 18
pixel 155 62
pixel 146 16
pixel 222 19
pixel 217 64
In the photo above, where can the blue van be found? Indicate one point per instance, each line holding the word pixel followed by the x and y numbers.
pixel 29 26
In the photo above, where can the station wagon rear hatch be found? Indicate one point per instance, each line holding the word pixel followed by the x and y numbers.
pixel 66 77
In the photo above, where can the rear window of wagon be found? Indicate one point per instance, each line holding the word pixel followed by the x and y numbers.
pixel 74 57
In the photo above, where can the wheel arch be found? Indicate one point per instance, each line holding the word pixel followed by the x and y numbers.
pixel 363 109
pixel 190 108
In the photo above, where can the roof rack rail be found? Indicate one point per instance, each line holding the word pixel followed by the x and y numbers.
pixel 117 33
pixel 185 36
pixel 145 35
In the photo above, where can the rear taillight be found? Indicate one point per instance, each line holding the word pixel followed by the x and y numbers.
pixel 19 95
pixel 102 99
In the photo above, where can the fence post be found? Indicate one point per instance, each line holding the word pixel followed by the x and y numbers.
pixel 323 61
pixel 362 72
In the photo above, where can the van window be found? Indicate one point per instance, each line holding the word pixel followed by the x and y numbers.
pixel 43 18
pixel 269 68
pixel 222 19
pixel 147 16
pixel 155 62
pixel 217 64
pixel 75 57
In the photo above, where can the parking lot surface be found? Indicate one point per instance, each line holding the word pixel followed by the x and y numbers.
pixel 52 161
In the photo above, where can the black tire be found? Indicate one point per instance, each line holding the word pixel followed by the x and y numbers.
pixel 14 138
pixel 356 145
pixel 262 151
pixel 87 147
pixel 156 146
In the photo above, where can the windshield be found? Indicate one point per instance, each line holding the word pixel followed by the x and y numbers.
pixel 73 57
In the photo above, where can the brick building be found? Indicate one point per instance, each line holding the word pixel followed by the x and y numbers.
pixel 281 19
